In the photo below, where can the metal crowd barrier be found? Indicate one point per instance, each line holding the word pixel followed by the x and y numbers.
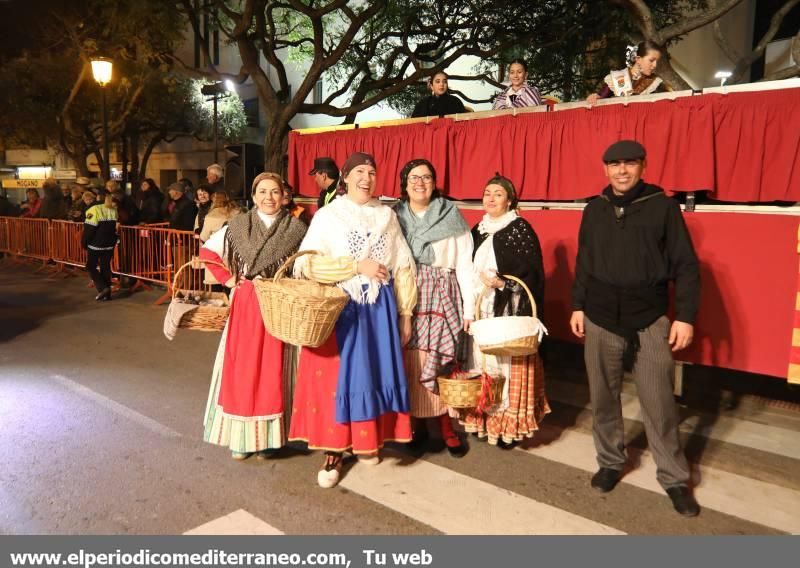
pixel 148 254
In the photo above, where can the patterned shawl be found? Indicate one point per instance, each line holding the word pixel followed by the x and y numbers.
pixel 261 250
pixel 442 219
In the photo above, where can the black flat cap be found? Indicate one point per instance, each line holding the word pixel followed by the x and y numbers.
pixel 624 150
pixel 326 165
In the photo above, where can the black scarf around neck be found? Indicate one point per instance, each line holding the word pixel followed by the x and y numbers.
pixel 628 197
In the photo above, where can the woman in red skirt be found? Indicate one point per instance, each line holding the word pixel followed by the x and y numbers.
pixel 249 387
pixel 351 393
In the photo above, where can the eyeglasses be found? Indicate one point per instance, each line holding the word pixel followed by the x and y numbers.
pixel 427 178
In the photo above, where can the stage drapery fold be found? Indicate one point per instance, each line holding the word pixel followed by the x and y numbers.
pixel 742 147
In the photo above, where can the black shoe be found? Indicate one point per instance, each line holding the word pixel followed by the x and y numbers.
pixel 104 295
pixel 606 479
pixel 503 445
pixel 458 451
pixel 683 501
pixel 419 440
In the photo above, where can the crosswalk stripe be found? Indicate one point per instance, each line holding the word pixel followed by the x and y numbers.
pixel 743 497
pixel 237 523
pixel 454 503
pixel 116 407
pixel 772 439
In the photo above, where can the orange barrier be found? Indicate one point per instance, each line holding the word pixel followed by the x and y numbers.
pixel 5 244
pixel 29 237
pixel 146 253
pixel 65 243
pixel 142 253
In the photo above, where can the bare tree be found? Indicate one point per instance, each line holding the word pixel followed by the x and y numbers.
pixel 683 17
pixel 743 61
pixel 368 51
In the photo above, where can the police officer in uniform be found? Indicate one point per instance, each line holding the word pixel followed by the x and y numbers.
pixel 99 239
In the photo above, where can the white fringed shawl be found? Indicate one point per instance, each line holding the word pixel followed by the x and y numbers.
pixel 345 228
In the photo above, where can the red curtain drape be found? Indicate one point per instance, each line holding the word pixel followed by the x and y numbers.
pixel 757 154
pixel 747 290
pixel 742 146
pixel 391 146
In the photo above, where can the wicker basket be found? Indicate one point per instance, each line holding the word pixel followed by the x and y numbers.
pixel 486 332
pixel 203 318
pixel 465 392
pixel 299 312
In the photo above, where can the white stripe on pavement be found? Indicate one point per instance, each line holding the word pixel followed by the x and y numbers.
pixel 236 523
pixel 771 439
pixel 454 503
pixel 116 407
pixel 743 497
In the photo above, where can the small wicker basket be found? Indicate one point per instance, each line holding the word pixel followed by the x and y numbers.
pixel 299 312
pixel 203 318
pixel 486 331
pixel 463 390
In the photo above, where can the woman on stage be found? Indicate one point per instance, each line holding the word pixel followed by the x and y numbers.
pixel 637 78
pixel 441 244
pixel 519 93
pixel 250 391
pixel 351 393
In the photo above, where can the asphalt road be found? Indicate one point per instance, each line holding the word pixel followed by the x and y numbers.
pixel 101 422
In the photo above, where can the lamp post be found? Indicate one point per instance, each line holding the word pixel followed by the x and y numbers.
pixel 215 91
pixel 724 76
pixel 101 69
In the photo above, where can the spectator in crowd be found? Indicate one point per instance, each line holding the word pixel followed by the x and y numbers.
pixel 288 203
pixel 439 102
pixel 215 177
pixel 222 211
pixel 7 209
pixel 67 194
pixel 77 212
pixel 519 93
pixel 99 239
pixel 149 202
pixel 188 188
pixel 75 194
pixel 326 176
pixel 637 78
pixel 203 203
pixel 126 209
pixel 30 207
pixel 82 182
pixel 53 205
pixel 181 209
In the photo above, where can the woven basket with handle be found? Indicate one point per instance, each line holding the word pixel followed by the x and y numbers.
pixel 463 390
pixel 487 331
pixel 299 312
pixel 202 318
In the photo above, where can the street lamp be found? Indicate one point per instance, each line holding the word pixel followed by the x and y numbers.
pixel 724 76
pixel 101 69
pixel 216 91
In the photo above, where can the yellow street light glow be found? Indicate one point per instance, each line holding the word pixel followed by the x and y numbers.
pixel 101 69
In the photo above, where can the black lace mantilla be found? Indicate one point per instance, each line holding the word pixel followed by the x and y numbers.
pixel 518 253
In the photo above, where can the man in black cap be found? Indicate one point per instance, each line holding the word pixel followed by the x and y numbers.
pixel 632 242
pixel 326 176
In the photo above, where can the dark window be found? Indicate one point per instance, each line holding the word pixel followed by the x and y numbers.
pixel 318 92
pixel 251 112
